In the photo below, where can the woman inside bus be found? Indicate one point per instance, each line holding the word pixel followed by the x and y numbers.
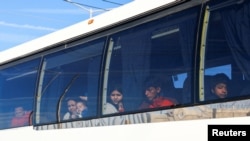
pixel 72 109
pixel 153 89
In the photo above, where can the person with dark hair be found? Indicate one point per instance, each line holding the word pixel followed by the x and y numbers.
pixel 73 112
pixel 153 89
pixel 219 86
pixel 72 109
pixel 115 103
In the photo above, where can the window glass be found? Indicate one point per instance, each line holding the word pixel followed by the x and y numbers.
pixel 179 79
pixel 227 51
pixel 219 69
pixel 17 91
pixel 155 52
pixel 68 86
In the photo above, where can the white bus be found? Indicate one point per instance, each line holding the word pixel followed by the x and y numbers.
pixel 184 44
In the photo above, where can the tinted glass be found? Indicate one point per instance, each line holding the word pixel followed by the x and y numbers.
pixel 17 93
pixel 67 75
pixel 162 49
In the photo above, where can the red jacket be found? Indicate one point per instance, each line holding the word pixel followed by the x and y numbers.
pixel 21 121
pixel 157 102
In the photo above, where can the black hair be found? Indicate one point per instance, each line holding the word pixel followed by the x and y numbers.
pixel 219 78
pixel 153 81
pixel 115 87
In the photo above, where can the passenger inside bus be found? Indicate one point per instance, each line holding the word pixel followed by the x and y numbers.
pixel 82 108
pixel 73 104
pixel 154 98
pixel 72 110
pixel 218 87
pixel 115 102
pixel 21 117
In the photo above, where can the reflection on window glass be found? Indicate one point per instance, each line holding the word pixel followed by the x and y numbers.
pixel 17 93
pixel 69 83
pixel 219 69
pixel 145 64
pixel 179 80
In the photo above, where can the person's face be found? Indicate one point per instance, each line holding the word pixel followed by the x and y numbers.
pixel 116 96
pixel 220 90
pixel 19 112
pixel 152 92
pixel 72 106
pixel 80 106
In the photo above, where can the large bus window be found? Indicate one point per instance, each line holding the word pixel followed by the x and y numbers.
pixel 67 77
pixel 161 48
pixel 17 93
pixel 227 50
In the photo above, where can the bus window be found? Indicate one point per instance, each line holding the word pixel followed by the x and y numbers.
pixel 217 81
pixel 179 80
pixel 161 48
pixel 17 93
pixel 226 50
pixel 69 76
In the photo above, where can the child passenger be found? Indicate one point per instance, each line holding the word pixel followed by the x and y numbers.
pixel 115 103
pixel 21 118
pixel 82 108
pixel 219 86
pixel 153 89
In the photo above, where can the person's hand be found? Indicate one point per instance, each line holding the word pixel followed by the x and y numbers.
pixel 73 116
